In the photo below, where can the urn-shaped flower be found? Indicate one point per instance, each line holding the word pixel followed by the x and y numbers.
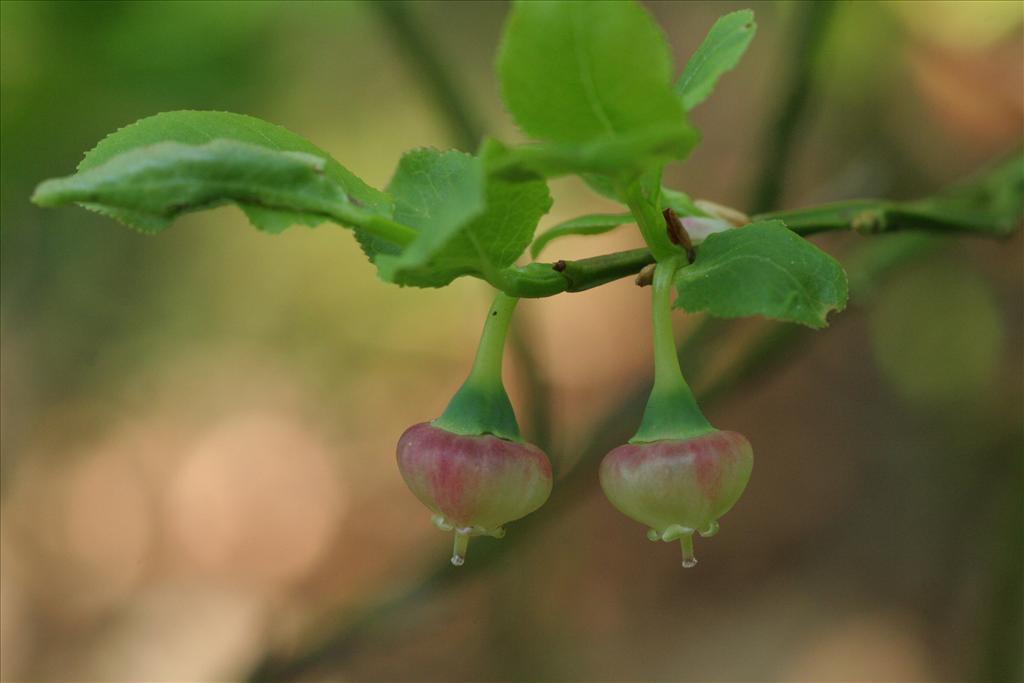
pixel 678 487
pixel 473 484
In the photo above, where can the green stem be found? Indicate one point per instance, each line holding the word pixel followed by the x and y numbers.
pixel 389 230
pixel 487 364
pixel 667 373
pixel 481 405
pixel 648 218
pixel 537 280
pixel 986 206
pixel 672 411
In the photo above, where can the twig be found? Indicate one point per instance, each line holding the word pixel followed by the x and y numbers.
pixel 990 205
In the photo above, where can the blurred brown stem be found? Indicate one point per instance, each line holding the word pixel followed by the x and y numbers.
pixel 812 20
pixel 423 58
pixel 531 371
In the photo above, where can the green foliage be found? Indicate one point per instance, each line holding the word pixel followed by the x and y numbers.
pixel 592 82
pixel 720 52
pixel 575 73
pixel 199 127
pixel 597 224
pixel 594 224
pixel 148 187
pixel 603 161
pixel 680 202
pixel 466 223
pixel 436 193
pixel 763 269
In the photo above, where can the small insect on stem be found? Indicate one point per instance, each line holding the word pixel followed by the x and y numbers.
pixel 677 233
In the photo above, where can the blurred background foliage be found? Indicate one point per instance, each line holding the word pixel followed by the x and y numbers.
pixel 198 429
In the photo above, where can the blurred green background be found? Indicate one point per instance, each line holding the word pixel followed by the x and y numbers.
pixel 198 429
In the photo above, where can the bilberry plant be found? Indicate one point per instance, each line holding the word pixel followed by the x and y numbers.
pixel 593 85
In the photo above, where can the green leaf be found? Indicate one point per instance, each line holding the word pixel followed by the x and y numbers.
pixel 594 224
pixel 468 225
pixel 574 73
pixel 763 269
pixel 720 52
pixel 277 220
pixel 603 186
pixel 199 127
pixel 152 185
pixel 680 202
pixel 436 193
pixel 622 156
